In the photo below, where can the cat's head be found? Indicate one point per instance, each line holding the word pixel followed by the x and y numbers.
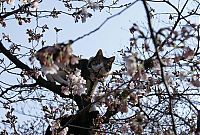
pixel 100 64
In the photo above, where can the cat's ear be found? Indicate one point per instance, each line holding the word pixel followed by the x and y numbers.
pixel 112 59
pixel 99 53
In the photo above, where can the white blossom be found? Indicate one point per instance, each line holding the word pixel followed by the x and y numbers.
pixel 93 5
pixel 65 90
pixel 25 1
pixel 55 126
pixel 76 85
pixel 78 72
pixel 84 14
pixel 124 128
pixel 132 85
pixel 168 78
pixel 182 75
pixel 35 4
pixel 131 64
pixel 64 131
pixel 74 60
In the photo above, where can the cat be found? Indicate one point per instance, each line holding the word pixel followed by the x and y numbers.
pixel 92 70
pixel 95 69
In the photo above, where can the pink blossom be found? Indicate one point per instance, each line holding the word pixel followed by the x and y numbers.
pixel 65 90
pixel 189 53
pixel 134 98
pixel 25 1
pixel 35 4
pixel 74 60
pixel 64 131
pixel 55 126
pixel 77 83
pixel 131 64
pixel 11 2
pixel 132 85
pixel 195 81
pixel 124 129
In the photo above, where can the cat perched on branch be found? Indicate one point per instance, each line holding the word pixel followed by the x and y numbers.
pixel 58 62
pixel 95 69
pixel 76 75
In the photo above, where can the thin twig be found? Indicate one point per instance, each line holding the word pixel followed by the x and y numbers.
pixel 105 21
pixel 15 11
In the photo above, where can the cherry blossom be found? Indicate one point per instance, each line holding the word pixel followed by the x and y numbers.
pixel 131 64
pixel 56 126
pixel 11 2
pixel 76 84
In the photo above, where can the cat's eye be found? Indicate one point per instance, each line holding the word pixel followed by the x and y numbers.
pixel 94 62
pixel 108 64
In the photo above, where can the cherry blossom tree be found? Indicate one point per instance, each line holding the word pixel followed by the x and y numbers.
pixel 153 89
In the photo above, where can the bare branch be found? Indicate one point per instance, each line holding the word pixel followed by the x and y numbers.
pixel 105 21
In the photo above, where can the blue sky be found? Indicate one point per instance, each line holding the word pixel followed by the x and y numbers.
pixel 111 37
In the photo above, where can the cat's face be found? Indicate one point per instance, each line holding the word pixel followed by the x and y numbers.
pixel 100 64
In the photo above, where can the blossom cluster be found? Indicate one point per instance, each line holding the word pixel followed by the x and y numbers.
pixel 54 58
pixel 135 68
pixel 83 13
pixel 35 3
pixel 137 123
pixel 76 84
pixel 57 54
pixel 115 103
pixel 56 126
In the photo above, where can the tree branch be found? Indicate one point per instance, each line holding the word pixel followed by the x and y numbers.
pixel 15 11
pixel 39 80
pixel 160 62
